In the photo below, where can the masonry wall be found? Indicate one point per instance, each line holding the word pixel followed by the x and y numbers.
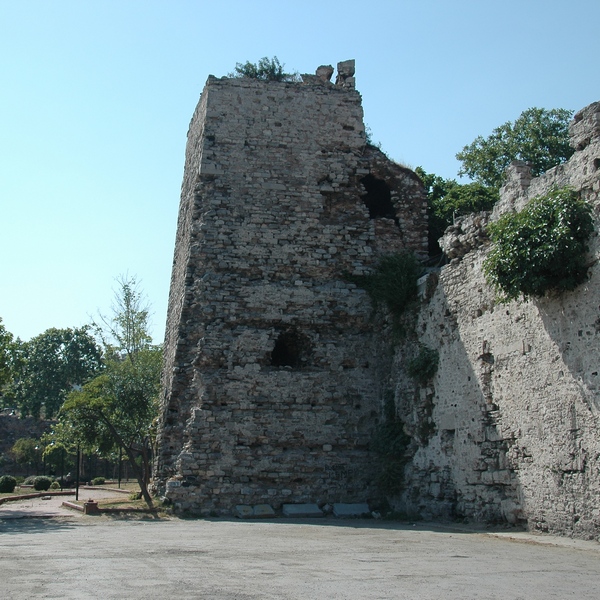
pixel 273 370
pixel 514 431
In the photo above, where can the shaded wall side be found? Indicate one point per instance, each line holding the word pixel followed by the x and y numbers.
pixel 174 366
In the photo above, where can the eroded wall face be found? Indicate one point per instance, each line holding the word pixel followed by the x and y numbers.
pixel 273 371
pixel 515 432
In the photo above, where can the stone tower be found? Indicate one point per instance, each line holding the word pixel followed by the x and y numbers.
pixel 272 368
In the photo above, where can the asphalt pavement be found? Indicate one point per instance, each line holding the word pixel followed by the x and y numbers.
pixel 50 552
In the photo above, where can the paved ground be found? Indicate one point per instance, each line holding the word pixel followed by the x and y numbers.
pixel 70 556
pixel 51 506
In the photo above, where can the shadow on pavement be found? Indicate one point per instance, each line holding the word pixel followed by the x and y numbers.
pixel 357 523
pixel 27 524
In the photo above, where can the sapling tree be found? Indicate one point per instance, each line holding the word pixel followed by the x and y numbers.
pixel 118 408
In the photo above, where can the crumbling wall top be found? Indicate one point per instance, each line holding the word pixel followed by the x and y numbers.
pixel 585 126
pixel 345 76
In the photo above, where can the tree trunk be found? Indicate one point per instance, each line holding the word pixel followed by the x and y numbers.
pixel 138 472
pixel 139 475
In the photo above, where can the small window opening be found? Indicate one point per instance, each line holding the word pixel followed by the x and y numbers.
pixel 378 198
pixel 292 349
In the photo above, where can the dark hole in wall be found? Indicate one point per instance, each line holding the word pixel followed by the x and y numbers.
pixel 292 349
pixel 378 198
pixel 447 440
pixel 596 164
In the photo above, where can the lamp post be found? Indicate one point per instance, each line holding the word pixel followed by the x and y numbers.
pixel 120 458
pixel 62 467
pixel 77 475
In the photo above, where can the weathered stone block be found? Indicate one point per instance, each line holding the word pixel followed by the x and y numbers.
pixel 243 511
pixel 302 510
pixel 263 511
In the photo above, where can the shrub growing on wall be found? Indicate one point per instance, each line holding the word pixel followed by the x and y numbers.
pixel 390 443
pixel 266 69
pixel 424 365
pixel 393 283
pixel 541 248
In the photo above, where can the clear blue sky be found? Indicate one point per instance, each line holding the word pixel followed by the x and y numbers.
pixel 96 97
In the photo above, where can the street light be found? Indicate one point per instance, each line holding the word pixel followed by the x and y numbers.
pixel 77 475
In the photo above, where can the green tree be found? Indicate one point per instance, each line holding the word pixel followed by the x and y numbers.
pixel 539 137
pixel 118 408
pixel 53 363
pixel 60 445
pixel 27 451
pixel 6 367
pixel 125 331
pixel 447 199
pixel 267 69
pixel 11 363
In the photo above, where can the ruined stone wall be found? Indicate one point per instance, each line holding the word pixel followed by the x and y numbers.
pixel 272 368
pixel 514 433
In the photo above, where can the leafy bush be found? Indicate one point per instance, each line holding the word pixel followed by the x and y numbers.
pixel 7 484
pixel 540 248
pixel 55 485
pixel 42 483
pixel 98 481
pixel 424 365
pixel 393 283
pixel 265 70
pixel 29 480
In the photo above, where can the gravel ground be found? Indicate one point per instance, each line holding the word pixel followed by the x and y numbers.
pixel 70 556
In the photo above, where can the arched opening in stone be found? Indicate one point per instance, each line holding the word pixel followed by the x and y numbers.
pixel 378 198
pixel 292 349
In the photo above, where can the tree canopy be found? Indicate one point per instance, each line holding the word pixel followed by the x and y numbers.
pixel 539 137
pixel 50 365
pixel 6 356
pixel 447 199
pixel 125 331
pixel 27 451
